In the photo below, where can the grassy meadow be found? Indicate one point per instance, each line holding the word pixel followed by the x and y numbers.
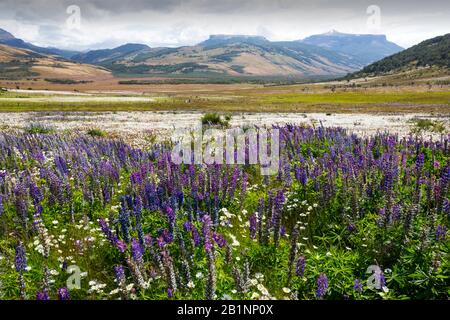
pixel 273 99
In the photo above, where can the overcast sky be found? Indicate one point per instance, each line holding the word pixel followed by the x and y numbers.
pixel 185 22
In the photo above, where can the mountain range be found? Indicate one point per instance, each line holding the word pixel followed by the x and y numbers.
pixel 8 39
pixel 330 54
pixel 18 63
pixel 366 48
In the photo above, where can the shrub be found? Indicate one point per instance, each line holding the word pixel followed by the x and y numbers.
pixel 95 132
pixel 214 119
pixel 421 125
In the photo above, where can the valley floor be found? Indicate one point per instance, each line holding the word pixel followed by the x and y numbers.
pixel 363 107
pixel 308 98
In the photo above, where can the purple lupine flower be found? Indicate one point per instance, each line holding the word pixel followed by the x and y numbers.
pixel 137 207
pixel 170 215
pixel 20 203
pixel 120 245
pixel 279 201
pixel 42 295
pixel 322 285
pixel 220 239
pixel 119 272
pixel 108 171
pixel 187 226
pixel 396 212
pixel 136 178
pixel 210 288
pixel 388 182
pixel 137 251
pixel 283 231
pixel 446 206
pixel 148 241
pixel 420 160
pixel 233 184
pixel 358 285
pixel 167 262
pixel 441 232
pixel 35 193
pixel 253 226
pixel 445 175
pixel 300 268
pixel 61 165
pixel 160 241
pixel 55 185
pixel 63 294
pixel 301 175
pixel 107 231
pixel 206 230
pixel 170 293
pixel 195 235
pixel 106 194
pixel 167 235
pixel 20 261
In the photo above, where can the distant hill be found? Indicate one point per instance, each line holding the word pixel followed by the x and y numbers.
pixel 5 35
pixel 235 56
pixel 106 55
pixel 18 63
pixel 364 48
pixel 431 52
pixel 224 39
pixel 8 39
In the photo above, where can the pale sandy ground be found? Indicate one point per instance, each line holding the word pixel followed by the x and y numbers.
pixel 71 96
pixel 136 123
pixel 49 92
pixel 81 99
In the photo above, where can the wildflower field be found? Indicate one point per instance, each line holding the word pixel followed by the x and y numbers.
pixel 85 217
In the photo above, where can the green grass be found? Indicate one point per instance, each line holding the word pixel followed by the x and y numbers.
pixel 255 101
pixel 361 98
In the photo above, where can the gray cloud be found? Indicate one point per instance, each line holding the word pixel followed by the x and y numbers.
pixel 183 22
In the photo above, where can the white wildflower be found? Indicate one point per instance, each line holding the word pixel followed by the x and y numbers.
pixel 255 295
